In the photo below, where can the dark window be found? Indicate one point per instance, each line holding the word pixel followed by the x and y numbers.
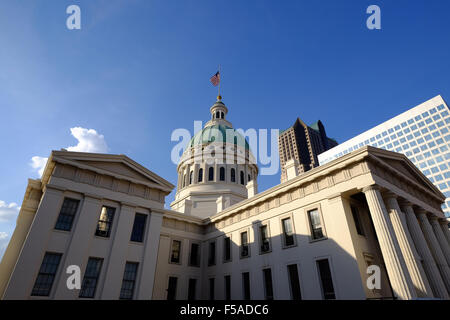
pixel 242 177
pixel 137 235
pixel 357 220
pixel 200 175
pixel 90 279
pixel 172 289
pixel 249 178
pixel 265 242
pixel 288 233
pixel 212 254
pixel 246 285
pixel 244 244
pixel 105 222
pixel 222 174
pixel 46 276
pixel 227 280
pixel 211 289
pixel 294 282
pixel 226 249
pixel 129 280
pixel 194 259
pixel 217 115
pixel 190 177
pixel 176 249
pixel 233 175
pixel 326 279
pixel 210 174
pixel 67 214
pixel 316 224
pixel 192 289
pixel 222 115
pixel 268 286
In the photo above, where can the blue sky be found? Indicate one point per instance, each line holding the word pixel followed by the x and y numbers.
pixel 137 70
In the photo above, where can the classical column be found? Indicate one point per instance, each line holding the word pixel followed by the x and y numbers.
pixel 431 269
pixel 412 260
pixel 395 264
pixel 441 238
pixel 445 230
pixel 435 248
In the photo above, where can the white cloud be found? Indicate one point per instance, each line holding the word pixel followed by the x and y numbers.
pixel 8 212
pixel 89 140
pixel 4 239
pixel 38 164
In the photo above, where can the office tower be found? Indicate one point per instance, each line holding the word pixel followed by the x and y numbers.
pixel 303 143
pixel 421 133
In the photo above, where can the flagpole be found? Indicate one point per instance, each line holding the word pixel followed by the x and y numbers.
pixel 219 83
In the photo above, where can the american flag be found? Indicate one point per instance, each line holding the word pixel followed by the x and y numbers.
pixel 215 79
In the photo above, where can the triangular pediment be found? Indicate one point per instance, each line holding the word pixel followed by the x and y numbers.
pixel 119 166
pixel 403 165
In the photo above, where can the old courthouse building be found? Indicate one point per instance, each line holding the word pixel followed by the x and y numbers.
pixel 310 237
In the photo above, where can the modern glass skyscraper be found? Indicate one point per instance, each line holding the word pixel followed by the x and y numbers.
pixel 421 133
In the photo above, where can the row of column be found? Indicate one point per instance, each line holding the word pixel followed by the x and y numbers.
pixel 415 246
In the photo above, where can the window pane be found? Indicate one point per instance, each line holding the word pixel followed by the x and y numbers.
pixel 294 282
pixel 90 279
pixel 67 214
pixel 137 235
pixel 175 256
pixel 288 232
pixel 129 280
pixel 268 284
pixel 326 280
pixel 46 276
pixel 105 222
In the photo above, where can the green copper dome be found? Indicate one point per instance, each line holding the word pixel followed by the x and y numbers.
pixel 218 132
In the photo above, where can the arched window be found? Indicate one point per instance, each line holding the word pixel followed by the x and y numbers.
pixel 222 115
pixel 249 178
pixel 242 177
pixel 233 175
pixel 190 177
pixel 217 114
pixel 210 174
pixel 222 174
pixel 200 175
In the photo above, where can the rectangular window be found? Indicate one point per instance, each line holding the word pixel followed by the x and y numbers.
pixel 326 279
pixel 175 252
pixel 91 275
pixel 105 222
pixel 268 286
pixel 211 289
pixel 137 235
pixel 192 289
pixel 67 214
pixel 212 253
pixel 194 259
pixel 316 224
pixel 288 232
pixel 172 288
pixel 44 281
pixel 357 220
pixel 265 242
pixel 246 285
pixel 294 282
pixel 244 245
pixel 227 280
pixel 129 280
pixel 226 249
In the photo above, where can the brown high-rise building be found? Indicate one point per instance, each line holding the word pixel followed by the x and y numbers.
pixel 303 143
